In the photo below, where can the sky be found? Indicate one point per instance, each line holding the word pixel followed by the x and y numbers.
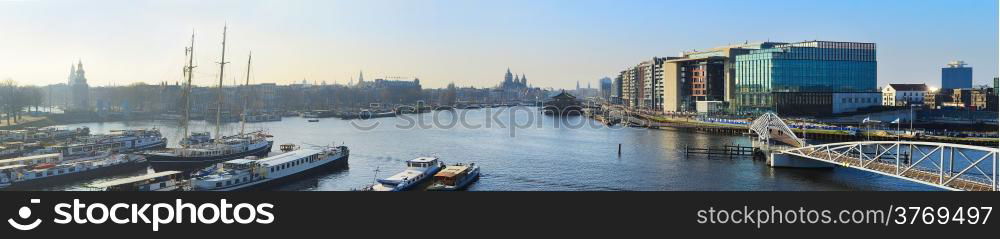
pixel 555 43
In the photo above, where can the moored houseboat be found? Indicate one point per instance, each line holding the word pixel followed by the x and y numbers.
pixel 253 173
pixel 158 182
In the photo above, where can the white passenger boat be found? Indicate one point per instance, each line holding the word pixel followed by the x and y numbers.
pixel 158 182
pixel 250 172
pixel 455 177
pixel 417 171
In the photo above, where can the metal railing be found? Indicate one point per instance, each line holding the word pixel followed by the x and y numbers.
pixel 949 166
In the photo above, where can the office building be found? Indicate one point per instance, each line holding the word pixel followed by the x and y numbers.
pixel 813 71
pixel 956 76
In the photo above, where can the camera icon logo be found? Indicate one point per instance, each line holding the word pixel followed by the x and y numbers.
pixel 25 213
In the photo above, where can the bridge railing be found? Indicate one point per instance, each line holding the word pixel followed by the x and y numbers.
pixel 949 166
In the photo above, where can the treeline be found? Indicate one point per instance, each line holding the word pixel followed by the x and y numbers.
pixel 15 100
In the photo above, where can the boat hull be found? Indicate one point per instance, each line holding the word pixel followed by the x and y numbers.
pixel 271 183
pixel 188 164
pixel 76 177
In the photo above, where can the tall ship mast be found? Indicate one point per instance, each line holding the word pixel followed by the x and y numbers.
pixel 189 72
pixel 246 96
pixel 222 70
pixel 195 156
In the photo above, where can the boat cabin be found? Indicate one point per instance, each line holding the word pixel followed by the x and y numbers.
pixel 32 160
pixel 422 162
pixel 451 174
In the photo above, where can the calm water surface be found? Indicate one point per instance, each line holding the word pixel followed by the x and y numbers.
pixel 546 156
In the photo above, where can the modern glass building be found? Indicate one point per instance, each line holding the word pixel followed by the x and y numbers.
pixel 806 67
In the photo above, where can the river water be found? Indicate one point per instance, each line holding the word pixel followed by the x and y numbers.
pixel 552 154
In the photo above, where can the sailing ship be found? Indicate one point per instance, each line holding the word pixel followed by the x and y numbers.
pixel 194 154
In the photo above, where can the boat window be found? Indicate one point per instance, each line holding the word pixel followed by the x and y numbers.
pixel 218 184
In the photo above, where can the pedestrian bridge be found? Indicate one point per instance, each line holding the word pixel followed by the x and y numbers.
pixel 949 166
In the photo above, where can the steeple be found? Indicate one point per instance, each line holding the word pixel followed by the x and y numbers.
pixel 508 77
pixel 72 74
pixel 524 80
pixel 361 77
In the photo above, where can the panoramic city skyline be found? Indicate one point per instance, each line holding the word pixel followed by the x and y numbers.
pixel 555 43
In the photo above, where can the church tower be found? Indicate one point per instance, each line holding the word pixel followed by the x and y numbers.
pixel 507 78
pixel 79 89
pixel 72 74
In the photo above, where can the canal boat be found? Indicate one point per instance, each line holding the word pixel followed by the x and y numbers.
pixel 455 177
pixel 417 171
pixel 50 133
pixel 117 141
pixel 319 114
pixel 53 169
pixel 253 173
pixel 154 182
pixel 257 118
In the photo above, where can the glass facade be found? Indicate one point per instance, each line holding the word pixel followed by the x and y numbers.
pixel 815 66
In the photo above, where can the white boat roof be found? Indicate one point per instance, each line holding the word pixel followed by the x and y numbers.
pixel 423 159
pixel 13 166
pixel 133 179
pixel 42 156
pixel 408 174
pixel 288 157
pixel 240 161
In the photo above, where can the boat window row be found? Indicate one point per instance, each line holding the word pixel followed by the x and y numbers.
pixel 297 162
pixel 232 182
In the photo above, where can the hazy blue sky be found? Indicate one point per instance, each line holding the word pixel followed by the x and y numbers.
pixel 469 42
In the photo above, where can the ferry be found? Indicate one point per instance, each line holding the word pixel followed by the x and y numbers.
pixel 417 171
pixel 252 173
pixel 154 182
pixel 455 177
pixel 51 169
